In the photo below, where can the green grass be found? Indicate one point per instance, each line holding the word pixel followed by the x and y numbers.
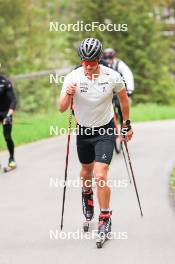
pixel 172 179
pixel 31 127
pixel 148 112
pixel 28 128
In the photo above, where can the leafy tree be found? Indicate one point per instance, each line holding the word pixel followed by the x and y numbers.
pixel 27 45
pixel 142 47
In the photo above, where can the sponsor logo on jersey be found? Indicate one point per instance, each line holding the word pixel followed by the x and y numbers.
pixel 104 157
pixel 83 83
pixel 83 89
pixel 103 83
pixel 104 87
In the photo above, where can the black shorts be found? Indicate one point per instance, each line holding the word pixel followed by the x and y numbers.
pixel 98 145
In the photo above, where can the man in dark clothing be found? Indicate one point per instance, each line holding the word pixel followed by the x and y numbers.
pixel 7 107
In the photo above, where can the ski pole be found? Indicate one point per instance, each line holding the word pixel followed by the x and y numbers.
pixel 132 173
pixel 117 130
pixel 126 164
pixel 67 159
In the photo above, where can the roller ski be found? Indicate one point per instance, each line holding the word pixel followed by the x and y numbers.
pixel 104 229
pixel 88 208
pixel 11 166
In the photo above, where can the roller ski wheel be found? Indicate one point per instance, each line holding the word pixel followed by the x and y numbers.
pixel 86 226
pixel 8 169
pixel 101 240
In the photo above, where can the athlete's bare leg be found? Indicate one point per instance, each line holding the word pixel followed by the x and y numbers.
pixel 103 191
pixel 86 174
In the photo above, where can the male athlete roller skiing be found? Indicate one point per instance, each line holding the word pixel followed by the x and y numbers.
pixel 91 88
pixel 7 108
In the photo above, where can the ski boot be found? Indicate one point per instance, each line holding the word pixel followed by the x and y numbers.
pixel 104 228
pixel 88 207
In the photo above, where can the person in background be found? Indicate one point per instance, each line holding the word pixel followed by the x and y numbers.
pixel 7 108
pixel 109 56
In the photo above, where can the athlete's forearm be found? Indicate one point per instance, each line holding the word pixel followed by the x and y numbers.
pixel 124 104
pixel 125 110
pixel 64 102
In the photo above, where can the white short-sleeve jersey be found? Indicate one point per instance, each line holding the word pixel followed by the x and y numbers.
pixel 93 98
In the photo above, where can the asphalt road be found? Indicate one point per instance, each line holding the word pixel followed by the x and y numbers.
pixel 30 204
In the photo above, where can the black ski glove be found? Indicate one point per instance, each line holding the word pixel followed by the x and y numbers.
pixel 7 120
pixel 126 126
